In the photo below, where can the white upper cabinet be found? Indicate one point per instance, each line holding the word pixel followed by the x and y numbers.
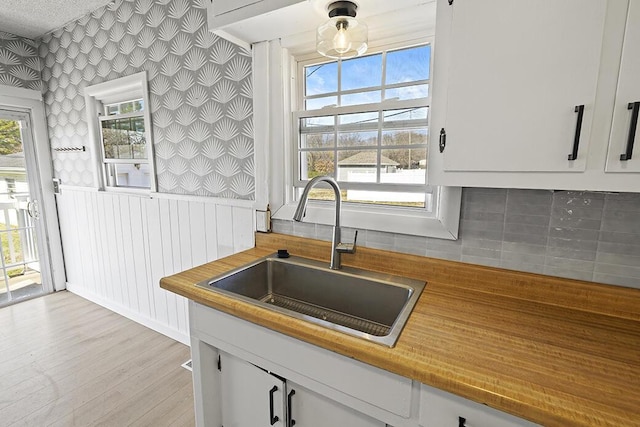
pixel 524 92
pixel 627 103
pixel 517 70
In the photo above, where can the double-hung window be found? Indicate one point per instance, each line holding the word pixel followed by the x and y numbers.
pixel 120 126
pixel 124 144
pixel 364 121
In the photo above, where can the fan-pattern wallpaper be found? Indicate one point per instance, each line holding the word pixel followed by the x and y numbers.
pixel 19 62
pixel 200 93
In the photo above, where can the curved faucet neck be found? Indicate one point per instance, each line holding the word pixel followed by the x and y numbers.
pixel 302 204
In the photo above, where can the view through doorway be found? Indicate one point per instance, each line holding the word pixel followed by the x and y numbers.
pixel 20 272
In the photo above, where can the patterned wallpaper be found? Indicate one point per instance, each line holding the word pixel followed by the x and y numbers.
pixel 201 93
pixel 19 62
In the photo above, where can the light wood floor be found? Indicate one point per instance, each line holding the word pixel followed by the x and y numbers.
pixel 65 361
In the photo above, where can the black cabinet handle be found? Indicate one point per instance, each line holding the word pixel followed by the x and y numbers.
pixel 272 419
pixel 443 140
pixel 576 139
pixel 462 422
pixel 635 106
pixel 290 422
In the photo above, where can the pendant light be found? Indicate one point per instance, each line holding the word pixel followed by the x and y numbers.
pixel 342 36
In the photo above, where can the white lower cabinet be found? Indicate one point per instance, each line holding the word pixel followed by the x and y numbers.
pixel 442 409
pixel 245 375
pixel 254 397
pixel 250 395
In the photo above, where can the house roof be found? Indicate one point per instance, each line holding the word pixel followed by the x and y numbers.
pixel 13 161
pixel 367 158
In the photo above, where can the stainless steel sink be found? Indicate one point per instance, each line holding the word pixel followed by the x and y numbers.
pixel 362 303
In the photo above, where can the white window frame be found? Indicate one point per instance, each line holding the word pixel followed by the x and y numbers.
pixel 299 112
pixel 123 89
pixel 275 87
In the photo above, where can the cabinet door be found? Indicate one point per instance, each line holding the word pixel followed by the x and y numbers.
pixel 251 397
pixel 515 72
pixel 309 409
pixel 438 408
pixel 627 99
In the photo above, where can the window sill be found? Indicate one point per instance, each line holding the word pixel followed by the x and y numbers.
pixel 442 225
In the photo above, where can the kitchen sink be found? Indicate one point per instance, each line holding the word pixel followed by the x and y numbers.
pixel 369 305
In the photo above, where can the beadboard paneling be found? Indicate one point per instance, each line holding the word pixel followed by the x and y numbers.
pixel 118 246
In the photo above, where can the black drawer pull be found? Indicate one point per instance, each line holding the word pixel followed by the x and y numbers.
pixel 291 422
pixel 272 419
pixel 576 139
pixel 635 106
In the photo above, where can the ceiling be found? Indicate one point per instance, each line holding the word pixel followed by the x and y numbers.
pixel 34 18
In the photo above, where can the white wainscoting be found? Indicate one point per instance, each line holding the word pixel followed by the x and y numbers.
pixel 117 247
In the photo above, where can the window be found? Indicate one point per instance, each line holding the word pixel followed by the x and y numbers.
pixel 365 122
pixel 124 147
pixel 119 119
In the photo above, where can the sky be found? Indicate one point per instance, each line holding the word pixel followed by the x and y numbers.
pixel 402 66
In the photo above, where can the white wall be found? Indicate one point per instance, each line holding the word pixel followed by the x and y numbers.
pixel 118 246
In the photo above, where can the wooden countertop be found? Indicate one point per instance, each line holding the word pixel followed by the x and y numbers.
pixel 557 352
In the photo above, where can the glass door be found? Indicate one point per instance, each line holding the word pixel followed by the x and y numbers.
pixel 20 267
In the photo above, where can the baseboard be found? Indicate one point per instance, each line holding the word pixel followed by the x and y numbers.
pixel 130 314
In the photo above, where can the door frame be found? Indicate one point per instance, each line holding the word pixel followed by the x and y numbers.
pixel 52 260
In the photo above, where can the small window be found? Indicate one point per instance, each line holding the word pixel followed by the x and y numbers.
pixel 123 146
pixel 364 121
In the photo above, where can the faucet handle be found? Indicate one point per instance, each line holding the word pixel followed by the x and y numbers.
pixel 348 248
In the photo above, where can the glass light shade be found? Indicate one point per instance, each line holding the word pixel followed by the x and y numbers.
pixel 342 37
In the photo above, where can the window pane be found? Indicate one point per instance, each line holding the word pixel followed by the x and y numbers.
pixel 354 139
pixel 361 98
pixel 322 78
pixel 139 150
pixel 392 198
pixel 407 92
pixel 317 103
pixel 123 124
pixel 129 175
pixel 408 166
pixel 361 72
pixel 124 138
pixel 357 166
pixel 358 118
pixel 115 138
pixel 125 107
pixel 137 124
pixel 318 193
pixel 358 121
pixel 317 140
pixel 404 137
pixel 406 114
pixel 408 65
pixel 308 124
pixel 314 163
pixel 137 138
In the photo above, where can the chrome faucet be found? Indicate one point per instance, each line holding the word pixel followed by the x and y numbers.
pixel 337 248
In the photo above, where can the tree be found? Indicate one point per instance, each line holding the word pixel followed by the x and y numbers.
pixel 10 140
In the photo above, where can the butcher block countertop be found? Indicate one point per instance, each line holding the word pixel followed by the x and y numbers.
pixel 557 352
